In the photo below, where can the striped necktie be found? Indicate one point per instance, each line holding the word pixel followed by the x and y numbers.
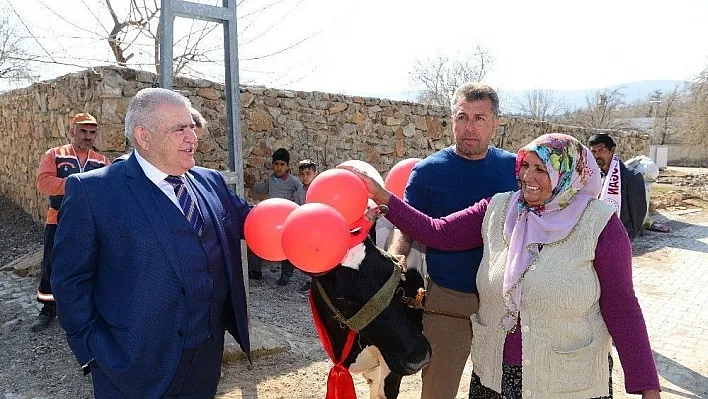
pixel 186 202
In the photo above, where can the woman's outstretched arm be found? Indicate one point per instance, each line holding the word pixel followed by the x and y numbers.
pixel 458 231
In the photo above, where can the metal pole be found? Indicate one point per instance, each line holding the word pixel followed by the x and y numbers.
pixel 225 15
pixel 232 91
pixel 166 32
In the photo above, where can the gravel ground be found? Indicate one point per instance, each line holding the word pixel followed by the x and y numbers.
pixel 40 365
pixel 18 232
pixel 37 365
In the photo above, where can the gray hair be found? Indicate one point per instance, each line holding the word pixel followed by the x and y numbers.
pixel 143 109
pixel 473 91
pixel 198 119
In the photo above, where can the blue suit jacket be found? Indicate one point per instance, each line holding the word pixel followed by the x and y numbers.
pixel 117 280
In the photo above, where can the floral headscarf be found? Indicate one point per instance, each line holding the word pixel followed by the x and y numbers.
pixel 575 180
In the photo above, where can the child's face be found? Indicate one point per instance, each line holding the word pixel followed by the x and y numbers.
pixel 307 175
pixel 280 168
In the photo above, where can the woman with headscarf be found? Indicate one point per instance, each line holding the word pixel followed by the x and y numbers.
pixel 555 283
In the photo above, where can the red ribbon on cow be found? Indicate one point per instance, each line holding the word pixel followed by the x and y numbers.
pixel 340 384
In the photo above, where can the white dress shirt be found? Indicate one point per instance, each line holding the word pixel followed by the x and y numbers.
pixel 158 178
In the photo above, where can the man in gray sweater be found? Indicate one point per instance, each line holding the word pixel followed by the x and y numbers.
pixel 281 184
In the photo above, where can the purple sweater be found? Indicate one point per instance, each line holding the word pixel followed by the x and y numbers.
pixel 613 265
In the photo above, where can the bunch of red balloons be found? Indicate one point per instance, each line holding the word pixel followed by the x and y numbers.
pixel 315 236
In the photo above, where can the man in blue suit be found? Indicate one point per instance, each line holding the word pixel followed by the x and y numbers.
pixel 147 259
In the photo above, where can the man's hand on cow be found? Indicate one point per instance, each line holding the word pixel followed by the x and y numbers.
pixel 378 193
pixel 401 259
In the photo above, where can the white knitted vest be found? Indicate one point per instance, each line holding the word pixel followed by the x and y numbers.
pixel 565 341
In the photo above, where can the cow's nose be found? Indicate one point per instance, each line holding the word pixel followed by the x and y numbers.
pixel 419 359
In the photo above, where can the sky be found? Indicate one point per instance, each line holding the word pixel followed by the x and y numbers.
pixel 369 47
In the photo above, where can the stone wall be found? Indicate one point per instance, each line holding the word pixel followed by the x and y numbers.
pixel 517 132
pixel 683 155
pixel 327 128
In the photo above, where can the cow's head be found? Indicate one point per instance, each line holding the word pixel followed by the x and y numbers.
pixel 396 331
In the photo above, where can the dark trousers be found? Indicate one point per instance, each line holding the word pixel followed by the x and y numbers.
pixel 44 292
pixel 255 263
pixel 197 374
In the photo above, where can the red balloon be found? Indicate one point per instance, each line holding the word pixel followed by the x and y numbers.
pixel 342 190
pixel 397 177
pixel 315 238
pixel 263 227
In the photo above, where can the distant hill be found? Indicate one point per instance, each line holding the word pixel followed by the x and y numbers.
pixel 573 98
pixel 576 98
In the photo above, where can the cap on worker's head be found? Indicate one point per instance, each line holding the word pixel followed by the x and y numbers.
pixel 83 118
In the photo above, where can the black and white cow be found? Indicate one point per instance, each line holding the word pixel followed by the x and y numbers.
pixel 392 344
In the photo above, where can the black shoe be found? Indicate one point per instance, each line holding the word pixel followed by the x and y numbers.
pixel 43 319
pixel 255 275
pixel 283 280
pixel 305 288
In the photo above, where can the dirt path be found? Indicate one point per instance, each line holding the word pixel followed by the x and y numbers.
pixel 682 358
pixel 668 277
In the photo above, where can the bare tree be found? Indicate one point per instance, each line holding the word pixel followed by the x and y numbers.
pixel 117 37
pixel 541 105
pixel 137 28
pixel 601 111
pixel 14 66
pixel 665 110
pixel 142 21
pixel 438 77
pixel 130 28
pixel 694 132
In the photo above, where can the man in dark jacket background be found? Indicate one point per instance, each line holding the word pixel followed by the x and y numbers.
pixel 633 207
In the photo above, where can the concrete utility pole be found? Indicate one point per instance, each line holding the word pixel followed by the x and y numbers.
pixel 225 15
pixel 655 102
